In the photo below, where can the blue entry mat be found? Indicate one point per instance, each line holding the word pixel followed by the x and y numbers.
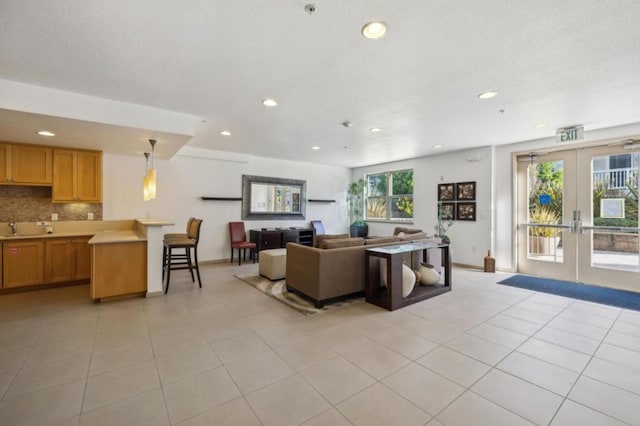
pixel 606 296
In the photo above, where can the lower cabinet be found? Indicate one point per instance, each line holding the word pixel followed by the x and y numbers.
pixel 22 263
pixel 67 259
pixel 45 261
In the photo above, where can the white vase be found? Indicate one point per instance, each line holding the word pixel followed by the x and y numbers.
pixel 428 274
pixel 408 280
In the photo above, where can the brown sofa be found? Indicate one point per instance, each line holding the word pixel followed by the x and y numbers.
pixel 323 274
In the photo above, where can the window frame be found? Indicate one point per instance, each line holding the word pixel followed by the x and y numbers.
pixel 388 197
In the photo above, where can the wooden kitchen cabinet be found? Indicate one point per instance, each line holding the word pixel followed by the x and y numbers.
pixel 67 259
pixel 25 165
pixel 118 269
pixel 22 263
pixel 77 176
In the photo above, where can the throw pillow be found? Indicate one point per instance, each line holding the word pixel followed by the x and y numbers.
pixel 400 229
pixel 414 236
pixel 318 239
pixel 381 240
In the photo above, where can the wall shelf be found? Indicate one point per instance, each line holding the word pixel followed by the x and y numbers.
pixel 222 198
pixel 315 200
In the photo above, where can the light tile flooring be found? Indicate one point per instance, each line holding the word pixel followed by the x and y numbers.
pixel 483 354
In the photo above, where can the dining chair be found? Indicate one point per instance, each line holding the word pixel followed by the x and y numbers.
pixel 239 241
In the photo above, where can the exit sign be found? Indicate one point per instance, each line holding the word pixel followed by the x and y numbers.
pixel 571 134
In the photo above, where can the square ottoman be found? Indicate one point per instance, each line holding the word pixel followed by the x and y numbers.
pixel 273 263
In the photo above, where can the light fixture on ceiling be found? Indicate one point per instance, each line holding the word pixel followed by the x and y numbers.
pixel 269 102
pixel 225 133
pixel 46 133
pixel 374 30
pixel 151 174
pixel 145 181
pixel 540 126
pixel 375 129
pixel 437 146
pixel 487 95
pixel 315 147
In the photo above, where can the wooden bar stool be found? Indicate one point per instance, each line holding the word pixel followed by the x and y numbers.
pixel 176 261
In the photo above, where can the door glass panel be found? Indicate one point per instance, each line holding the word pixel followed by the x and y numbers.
pixel 615 204
pixel 545 189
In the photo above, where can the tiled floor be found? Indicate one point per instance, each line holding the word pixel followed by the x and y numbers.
pixel 483 354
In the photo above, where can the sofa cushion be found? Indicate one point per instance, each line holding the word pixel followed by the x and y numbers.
pixel 382 240
pixel 405 231
pixel 318 239
pixel 342 242
pixel 415 236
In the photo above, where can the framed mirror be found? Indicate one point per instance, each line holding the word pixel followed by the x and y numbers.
pixel 268 198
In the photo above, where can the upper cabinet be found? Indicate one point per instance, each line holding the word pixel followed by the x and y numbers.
pixel 77 176
pixel 25 165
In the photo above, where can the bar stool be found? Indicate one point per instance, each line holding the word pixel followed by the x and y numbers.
pixel 175 261
pixel 187 252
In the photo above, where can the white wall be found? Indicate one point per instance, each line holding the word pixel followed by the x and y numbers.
pixel 183 180
pixel 469 240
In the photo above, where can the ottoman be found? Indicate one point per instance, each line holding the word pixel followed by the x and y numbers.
pixel 273 263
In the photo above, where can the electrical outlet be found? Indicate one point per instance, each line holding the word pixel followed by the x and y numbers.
pixel 90 216
pixel 54 216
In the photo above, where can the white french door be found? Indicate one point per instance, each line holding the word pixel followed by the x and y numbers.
pixel 577 216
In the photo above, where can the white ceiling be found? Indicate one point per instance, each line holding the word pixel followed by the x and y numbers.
pixel 561 63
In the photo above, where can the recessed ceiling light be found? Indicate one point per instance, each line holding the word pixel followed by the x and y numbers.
pixel 225 133
pixel 315 147
pixel 269 102
pixel 540 126
pixel 375 129
pixel 46 133
pixel 487 95
pixel 374 30
pixel 437 146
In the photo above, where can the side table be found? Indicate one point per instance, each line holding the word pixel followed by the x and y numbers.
pixel 390 297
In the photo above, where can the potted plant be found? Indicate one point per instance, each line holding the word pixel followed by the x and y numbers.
pixel 444 223
pixel 355 203
pixel 543 240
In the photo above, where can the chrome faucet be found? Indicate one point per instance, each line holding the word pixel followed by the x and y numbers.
pixel 14 227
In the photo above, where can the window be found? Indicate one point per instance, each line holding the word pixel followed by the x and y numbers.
pixel 622 161
pixel 389 195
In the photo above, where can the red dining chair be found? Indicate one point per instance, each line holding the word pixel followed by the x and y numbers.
pixel 239 241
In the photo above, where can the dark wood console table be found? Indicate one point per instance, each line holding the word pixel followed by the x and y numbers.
pixel 390 297
pixel 278 238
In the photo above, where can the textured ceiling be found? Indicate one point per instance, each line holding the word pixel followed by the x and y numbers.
pixel 555 62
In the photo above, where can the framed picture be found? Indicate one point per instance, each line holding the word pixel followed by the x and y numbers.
pixel 466 211
pixel 446 192
pixel 447 211
pixel 466 191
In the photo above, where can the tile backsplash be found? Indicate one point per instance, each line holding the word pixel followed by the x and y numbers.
pixel 33 204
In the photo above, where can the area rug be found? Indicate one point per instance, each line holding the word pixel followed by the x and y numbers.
pixel 278 290
pixel 591 293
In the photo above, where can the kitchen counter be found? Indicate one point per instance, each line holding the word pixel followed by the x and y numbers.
pixel 110 237
pixel 20 236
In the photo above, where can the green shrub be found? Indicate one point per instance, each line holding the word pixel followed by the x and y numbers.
pixel 543 215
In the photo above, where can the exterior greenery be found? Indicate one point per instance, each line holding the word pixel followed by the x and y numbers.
pixel 390 195
pixel 355 202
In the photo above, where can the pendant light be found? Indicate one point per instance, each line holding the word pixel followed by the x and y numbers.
pixel 151 175
pixel 145 181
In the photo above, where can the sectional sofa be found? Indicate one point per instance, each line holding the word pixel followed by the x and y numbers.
pixel 335 266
